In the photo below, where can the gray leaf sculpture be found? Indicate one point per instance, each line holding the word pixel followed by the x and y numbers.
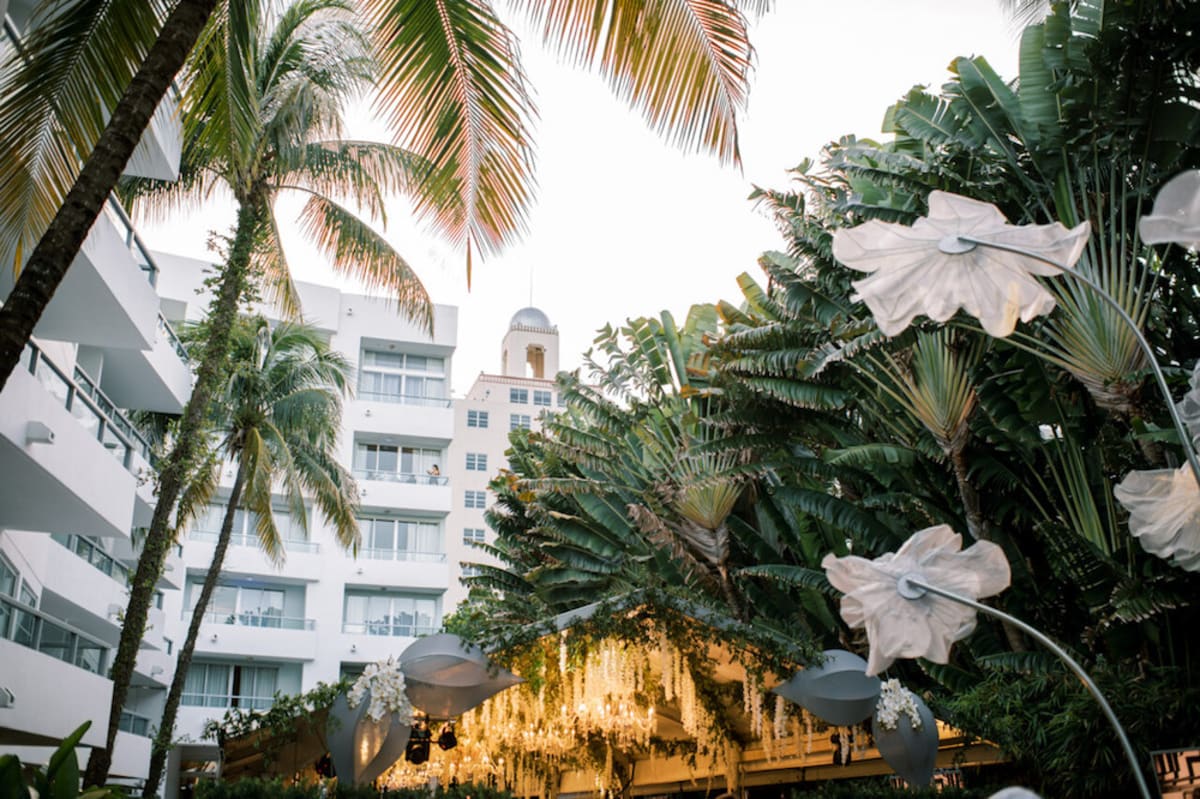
pixel 340 730
pixel 361 748
pixel 911 753
pixel 838 690
pixel 395 738
pixel 445 676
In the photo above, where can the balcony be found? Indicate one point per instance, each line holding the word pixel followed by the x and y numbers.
pixel 246 636
pixel 154 668
pixel 154 379
pixel 427 571
pixel 398 415
pixel 157 154
pixel 244 556
pixel 71 460
pixel 107 298
pixel 131 755
pixel 423 492
pixel 54 672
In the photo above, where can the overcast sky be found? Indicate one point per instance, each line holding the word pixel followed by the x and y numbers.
pixel 624 226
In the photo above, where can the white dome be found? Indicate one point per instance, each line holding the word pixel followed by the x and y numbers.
pixel 531 317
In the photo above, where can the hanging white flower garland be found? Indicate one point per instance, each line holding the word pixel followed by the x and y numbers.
pixel 385 683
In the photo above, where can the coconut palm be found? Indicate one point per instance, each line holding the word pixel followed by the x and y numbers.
pixel 277 417
pixel 262 117
pixel 451 85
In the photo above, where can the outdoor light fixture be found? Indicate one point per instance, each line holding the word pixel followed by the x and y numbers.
pixel 447 739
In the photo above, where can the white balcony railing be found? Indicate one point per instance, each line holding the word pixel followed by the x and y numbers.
pixel 26 625
pixel 265 620
pixel 251 540
pixel 401 554
pixel 91 408
pixel 402 477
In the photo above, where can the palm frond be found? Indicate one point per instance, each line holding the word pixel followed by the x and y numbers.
pixel 74 63
pixel 358 251
pixel 683 64
pixel 452 89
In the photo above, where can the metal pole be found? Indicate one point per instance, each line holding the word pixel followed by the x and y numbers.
pixel 912 587
pixel 1188 449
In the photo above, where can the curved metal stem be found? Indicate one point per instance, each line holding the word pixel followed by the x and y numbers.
pixel 910 582
pixel 1188 449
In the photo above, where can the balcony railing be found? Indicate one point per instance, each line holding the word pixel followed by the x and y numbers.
pixel 402 554
pixel 388 628
pixel 404 399
pixel 167 332
pixel 88 404
pixel 26 625
pixel 402 477
pixel 138 249
pixel 134 724
pixel 267 620
pixel 251 540
pixel 96 556
pixel 225 700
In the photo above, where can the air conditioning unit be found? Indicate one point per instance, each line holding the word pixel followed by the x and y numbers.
pixel 38 433
pixel 7 699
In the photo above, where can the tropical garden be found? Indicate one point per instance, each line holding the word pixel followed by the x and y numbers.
pixel 720 458
pixel 705 468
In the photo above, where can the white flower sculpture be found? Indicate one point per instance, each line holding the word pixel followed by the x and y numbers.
pixel 925 269
pixel 1164 504
pixel 384 681
pixel 926 626
pixel 894 701
pixel 1164 513
pixel 1176 214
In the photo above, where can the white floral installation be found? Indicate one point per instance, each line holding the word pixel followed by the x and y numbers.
pixel 924 269
pixel 894 701
pixel 384 681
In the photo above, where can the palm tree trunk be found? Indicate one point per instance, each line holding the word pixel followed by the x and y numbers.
pixel 166 727
pixel 968 495
pixel 61 242
pixel 222 314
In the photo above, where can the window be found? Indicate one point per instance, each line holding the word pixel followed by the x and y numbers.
pixel 389 613
pixel 477 419
pixel 229 685
pixel 475 499
pixel 402 377
pixel 542 398
pixel 245 605
pixel 476 461
pixel 519 421
pixel 474 535
pixel 8 578
pixel 291 532
pixel 562 400
pixel 399 463
pixel 385 538
pixel 470 570
pixel 518 395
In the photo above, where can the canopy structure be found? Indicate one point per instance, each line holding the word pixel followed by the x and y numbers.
pixel 642 716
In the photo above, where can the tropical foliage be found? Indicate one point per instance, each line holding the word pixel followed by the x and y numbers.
pixel 277 420
pixel 721 460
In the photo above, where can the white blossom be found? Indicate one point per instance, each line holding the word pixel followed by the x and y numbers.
pixel 924 269
pixel 1176 214
pixel 894 701
pixel 899 627
pixel 1164 513
pixel 384 682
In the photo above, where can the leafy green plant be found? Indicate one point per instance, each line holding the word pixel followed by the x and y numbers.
pixel 58 780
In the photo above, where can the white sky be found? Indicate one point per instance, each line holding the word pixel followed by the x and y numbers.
pixel 625 226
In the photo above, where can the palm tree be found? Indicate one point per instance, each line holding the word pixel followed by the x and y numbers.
pixel 261 116
pixel 451 84
pixel 278 417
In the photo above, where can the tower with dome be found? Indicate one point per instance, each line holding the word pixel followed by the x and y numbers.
pixel 517 398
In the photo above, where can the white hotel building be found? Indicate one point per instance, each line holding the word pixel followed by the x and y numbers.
pixel 76 481
pixel 422 462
